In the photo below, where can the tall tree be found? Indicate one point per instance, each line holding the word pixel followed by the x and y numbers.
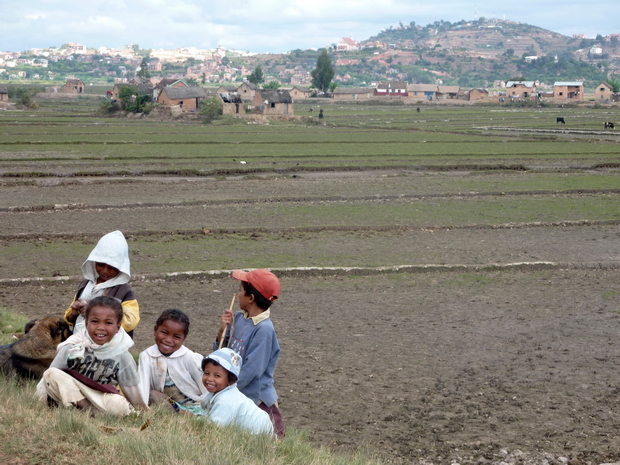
pixel 144 70
pixel 323 74
pixel 256 77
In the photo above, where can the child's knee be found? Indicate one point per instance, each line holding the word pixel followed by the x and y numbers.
pixel 116 404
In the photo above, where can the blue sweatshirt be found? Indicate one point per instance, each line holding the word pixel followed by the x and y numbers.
pixel 258 345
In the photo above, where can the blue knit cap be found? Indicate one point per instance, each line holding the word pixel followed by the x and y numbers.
pixel 228 358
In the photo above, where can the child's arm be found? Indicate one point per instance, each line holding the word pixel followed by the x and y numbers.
pixel 256 358
pixel 77 306
pixel 134 396
pixel 196 373
pixel 129 381
pixel 144 371
pixel 131 314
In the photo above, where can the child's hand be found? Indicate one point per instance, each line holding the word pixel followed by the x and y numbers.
pixel 226 319
pixel 79 306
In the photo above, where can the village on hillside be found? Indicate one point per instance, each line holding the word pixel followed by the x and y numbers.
pixel 488 61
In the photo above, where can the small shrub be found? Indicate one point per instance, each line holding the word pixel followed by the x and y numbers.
pixel 108 106
pixel 211 110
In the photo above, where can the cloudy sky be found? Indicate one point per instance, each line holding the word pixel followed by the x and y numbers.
pixel 269 25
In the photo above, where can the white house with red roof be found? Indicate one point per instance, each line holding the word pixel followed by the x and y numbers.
pixel 347 44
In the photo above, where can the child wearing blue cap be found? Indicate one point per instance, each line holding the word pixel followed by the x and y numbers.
pixel 223 403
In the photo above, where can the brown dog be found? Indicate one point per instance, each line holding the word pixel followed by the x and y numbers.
pixel 33 353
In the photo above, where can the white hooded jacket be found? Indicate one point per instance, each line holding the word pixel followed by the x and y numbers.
pixel 112 249
pixel 183 366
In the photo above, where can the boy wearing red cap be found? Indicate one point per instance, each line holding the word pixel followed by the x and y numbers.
pixel 251 334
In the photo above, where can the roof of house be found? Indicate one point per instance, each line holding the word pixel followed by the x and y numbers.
pixel 422 88
pixel 449 89
pixel 520 83
pixel 349 41
pixel 176 93
pixel 303 89
pixel 568 83
pixel 168 82
pixel 275 96
pixel 3 90
pixel 352 90
pixel 141 88
pixel 604 84
pixel 251 85
pixel 227 88
pixel 392 85
pixel 74 81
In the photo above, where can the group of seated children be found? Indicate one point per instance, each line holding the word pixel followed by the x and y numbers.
pixel 92 363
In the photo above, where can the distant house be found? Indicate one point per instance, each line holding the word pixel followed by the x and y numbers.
pixel 167 82
pixel 520 89
pixel 423 91
pixel 73 86
pixel 353 93
pixel 187 98
pixel 155 65
pixel 170 82
pixel 139 87
pixel 447 92
pixel 477 94
pixel 226 88
pixel 247 90
pixel 568 90
pixel 272 102
pixel 299 92
pixel 232 103
pixel 4 94
pixel 391 89
pixel 603 92
pixel 347 44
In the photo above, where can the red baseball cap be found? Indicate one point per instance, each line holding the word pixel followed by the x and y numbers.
pixel 264 281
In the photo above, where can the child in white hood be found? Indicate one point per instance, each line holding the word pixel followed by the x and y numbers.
pixel 106 272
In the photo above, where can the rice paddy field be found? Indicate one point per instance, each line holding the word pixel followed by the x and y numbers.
pixel 451 287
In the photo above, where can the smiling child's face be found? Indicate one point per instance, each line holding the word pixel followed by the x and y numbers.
pixel 102 324
pixel 169 336
pixel 215 378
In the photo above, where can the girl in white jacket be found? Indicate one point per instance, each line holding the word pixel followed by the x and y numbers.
pixel 169 371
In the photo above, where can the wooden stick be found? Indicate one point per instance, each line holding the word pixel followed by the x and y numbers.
pixel 226 327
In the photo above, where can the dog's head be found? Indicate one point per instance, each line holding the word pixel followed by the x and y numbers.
pixel 56 327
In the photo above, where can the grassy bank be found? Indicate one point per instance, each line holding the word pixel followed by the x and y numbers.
pixel 38 434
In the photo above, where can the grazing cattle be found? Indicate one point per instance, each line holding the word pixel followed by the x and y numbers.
pixel 560 119
pixel 418 109
pixel 609 125
pixel 32 354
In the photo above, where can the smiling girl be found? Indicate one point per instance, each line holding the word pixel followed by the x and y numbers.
pixel 93 362
pixel 169 371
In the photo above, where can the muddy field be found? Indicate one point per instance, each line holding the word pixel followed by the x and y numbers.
pixel 496 344
pixel 451 292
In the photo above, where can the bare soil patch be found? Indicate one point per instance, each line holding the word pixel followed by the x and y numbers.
pixel 467 366
pixel 428 366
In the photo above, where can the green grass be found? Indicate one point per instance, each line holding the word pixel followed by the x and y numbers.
pixel 10 323
pixel 68 436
